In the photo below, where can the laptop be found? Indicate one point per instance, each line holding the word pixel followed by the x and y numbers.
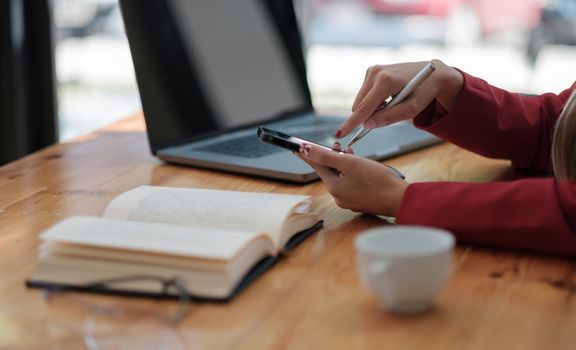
pixel 209 72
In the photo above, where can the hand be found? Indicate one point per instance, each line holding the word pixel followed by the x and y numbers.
pixel 356 183
pixel 382 82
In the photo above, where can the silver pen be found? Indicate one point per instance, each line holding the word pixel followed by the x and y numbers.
pixel 399 97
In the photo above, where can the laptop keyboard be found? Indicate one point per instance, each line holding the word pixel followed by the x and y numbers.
pixel 247 147
pixel 320 131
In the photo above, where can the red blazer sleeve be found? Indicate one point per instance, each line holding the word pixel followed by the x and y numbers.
pixel 498 124
pixel 532 214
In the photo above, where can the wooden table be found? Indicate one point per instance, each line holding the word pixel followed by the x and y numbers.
pixel 311 300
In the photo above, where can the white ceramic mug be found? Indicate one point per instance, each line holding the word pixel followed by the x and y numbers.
pixel 405 267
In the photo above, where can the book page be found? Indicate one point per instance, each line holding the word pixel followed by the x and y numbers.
pixel 250 211
pixel 151 237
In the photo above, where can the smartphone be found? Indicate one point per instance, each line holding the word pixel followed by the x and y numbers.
pixel 293 143
pixel 289 142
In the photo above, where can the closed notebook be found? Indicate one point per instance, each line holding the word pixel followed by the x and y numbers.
pixel 214 242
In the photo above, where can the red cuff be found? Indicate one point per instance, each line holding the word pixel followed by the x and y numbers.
pixel 430 115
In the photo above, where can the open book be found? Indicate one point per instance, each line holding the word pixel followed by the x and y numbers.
pixel 214 242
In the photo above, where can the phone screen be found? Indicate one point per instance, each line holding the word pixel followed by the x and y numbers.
pixel 280 139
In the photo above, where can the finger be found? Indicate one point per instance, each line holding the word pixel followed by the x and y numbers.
pixel 366 85
pixel 365 109
pixel 327 175
pixel 408 109
pixel 338 147
pixel 326 158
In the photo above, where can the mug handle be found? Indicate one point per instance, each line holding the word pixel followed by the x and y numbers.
pixel 381 271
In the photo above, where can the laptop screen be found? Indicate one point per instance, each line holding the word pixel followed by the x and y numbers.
pixel 208 65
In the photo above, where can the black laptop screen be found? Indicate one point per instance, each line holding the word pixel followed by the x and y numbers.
pixel 203 66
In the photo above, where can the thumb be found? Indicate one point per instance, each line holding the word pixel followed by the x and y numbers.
pixel 325 157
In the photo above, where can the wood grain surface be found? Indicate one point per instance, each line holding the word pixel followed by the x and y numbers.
pixel 311 300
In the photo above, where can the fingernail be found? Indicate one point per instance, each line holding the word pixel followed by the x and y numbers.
pixel 305 149
pixel 338 133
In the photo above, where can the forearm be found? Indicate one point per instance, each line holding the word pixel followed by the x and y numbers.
pixel 535 214
pixel 496 123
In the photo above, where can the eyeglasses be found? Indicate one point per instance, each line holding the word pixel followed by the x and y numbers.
pixel 172 288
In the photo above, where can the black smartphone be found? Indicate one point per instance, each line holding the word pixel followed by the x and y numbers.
pixel 280 139
pixel 293 143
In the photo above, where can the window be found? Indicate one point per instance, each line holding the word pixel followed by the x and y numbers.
pixel 519 45
pixel 96 83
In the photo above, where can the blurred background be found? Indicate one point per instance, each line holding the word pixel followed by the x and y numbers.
pixel 526 46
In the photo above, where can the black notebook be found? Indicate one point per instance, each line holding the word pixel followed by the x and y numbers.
pixel 213 242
